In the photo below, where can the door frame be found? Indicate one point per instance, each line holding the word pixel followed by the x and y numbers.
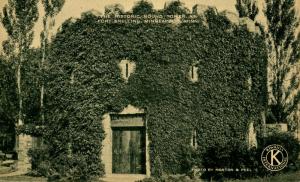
pixel 106 153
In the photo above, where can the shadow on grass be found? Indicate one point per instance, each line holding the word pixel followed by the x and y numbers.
pixel 287 177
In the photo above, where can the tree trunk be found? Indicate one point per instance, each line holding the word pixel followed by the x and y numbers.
pixel 19 65
pixel 264 124
pixel 20 121
pixel 42 85
pixel 45 38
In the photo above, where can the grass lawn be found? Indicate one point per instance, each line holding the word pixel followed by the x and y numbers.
pixel 23 178
pixel 4 170
pixel 288 177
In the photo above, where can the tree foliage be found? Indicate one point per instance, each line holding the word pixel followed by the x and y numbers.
pixel 175 8
pixel 51 8
pixel 30 84
pixel 18 18
pixel 284 53
pixel 247 8
pixel 8 99
pixel 115 9
pixel 143 8
pixel 9 95
pixel 8 103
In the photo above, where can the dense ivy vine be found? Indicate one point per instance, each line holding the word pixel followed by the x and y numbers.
pixel 84 82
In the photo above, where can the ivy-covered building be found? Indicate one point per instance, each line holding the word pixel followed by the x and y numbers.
pixel 141 97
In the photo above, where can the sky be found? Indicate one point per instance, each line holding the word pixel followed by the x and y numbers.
pixel 74 8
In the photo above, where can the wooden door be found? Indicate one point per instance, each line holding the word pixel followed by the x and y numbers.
pixel 128 150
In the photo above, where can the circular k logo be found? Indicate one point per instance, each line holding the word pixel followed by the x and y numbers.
pixel 274 157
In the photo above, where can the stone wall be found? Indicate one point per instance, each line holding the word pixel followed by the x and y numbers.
pixel 233 17
pixel 24 143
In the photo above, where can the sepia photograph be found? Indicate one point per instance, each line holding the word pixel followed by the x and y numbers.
pixel 149 90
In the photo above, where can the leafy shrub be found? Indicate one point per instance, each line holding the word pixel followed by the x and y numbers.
pixel 237 156
pixel 233 155
pixel 286 140
pixel 39 161
pixel 229 155
pixel 170 178
pixel 73 168
pixel 190 158
pixel 151 179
